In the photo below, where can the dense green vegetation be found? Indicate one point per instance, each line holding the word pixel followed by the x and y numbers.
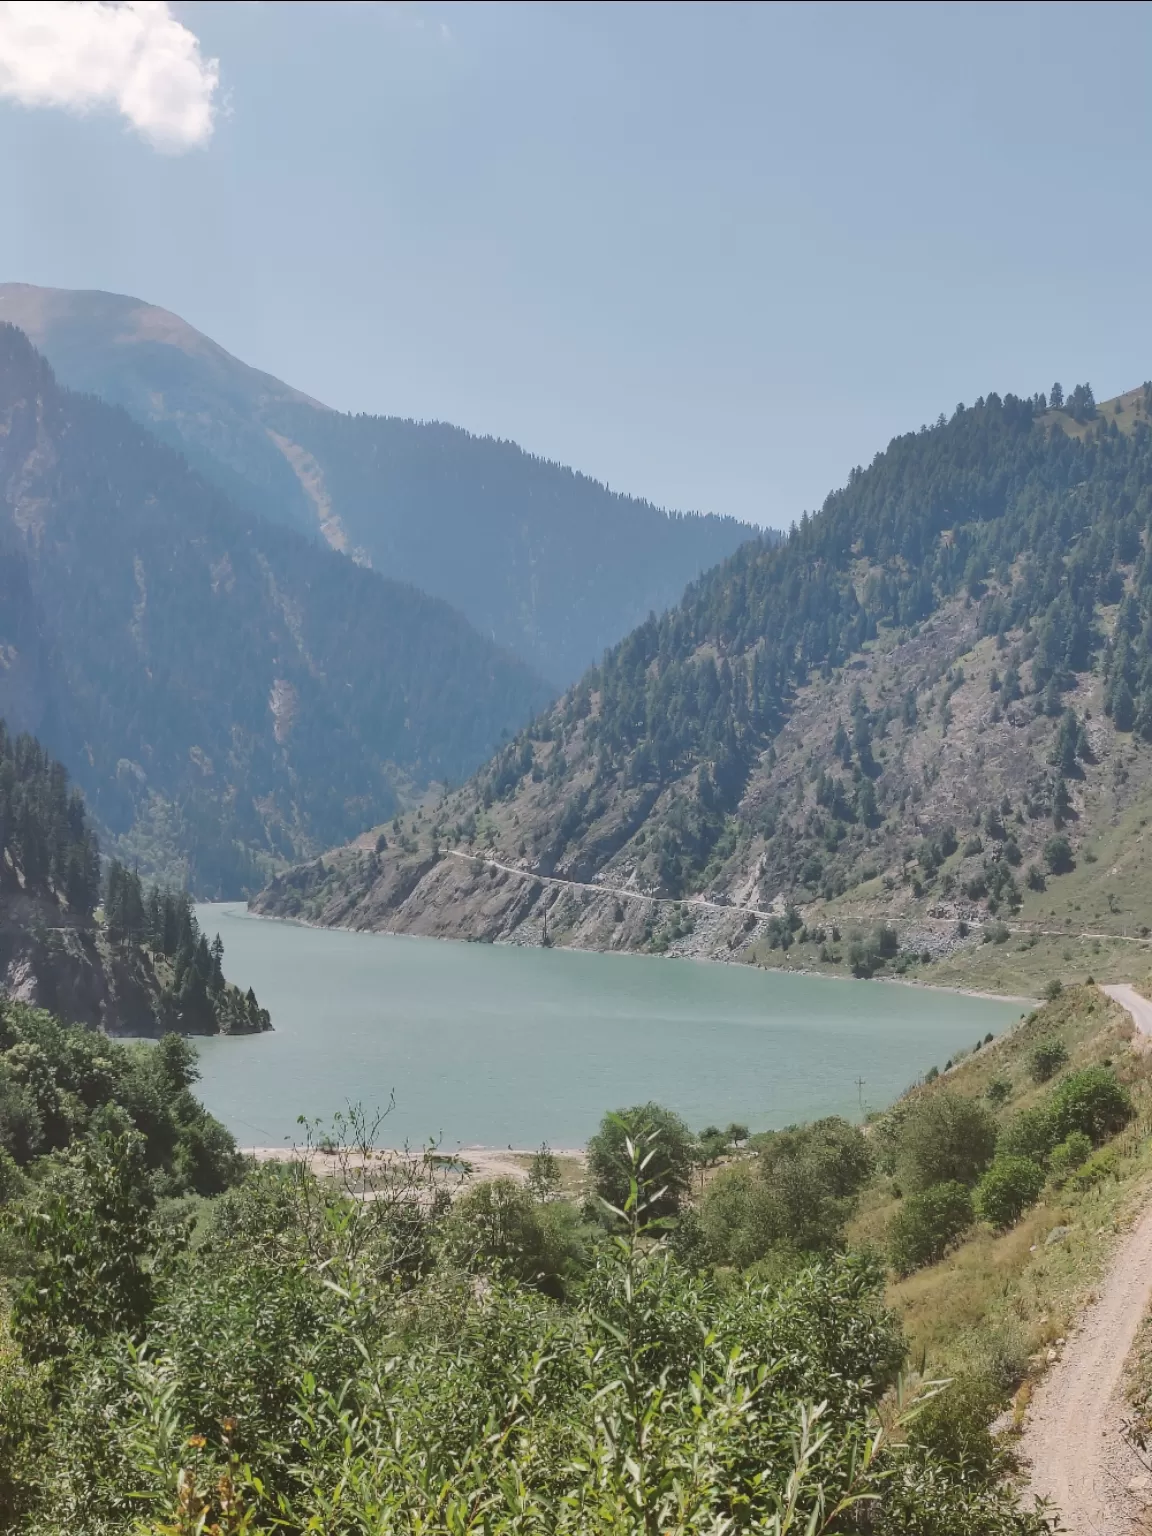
pixel 50 875
pixel 225 693
pixel 550 563
pixel 287 1355
pixel 47 847
pixel 195 998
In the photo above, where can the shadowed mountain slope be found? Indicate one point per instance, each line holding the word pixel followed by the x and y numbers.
pixel 222 689
pixel 547 562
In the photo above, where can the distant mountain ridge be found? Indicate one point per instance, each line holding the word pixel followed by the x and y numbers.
pixel 223 690
pixel 544 560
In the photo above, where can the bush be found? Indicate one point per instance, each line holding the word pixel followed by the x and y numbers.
pixel 1101 1165
pixel 956 1425
pixel 1006 1191
pixel 670 1170
pixel 500 1226
pixel 1053 989
pixel 944 1138
pixel 1047 1057
pixel 926 1224
pixel 1092 1101
pixel 998 1091
pixel 1069 1155
pixel 1058 855
pixel 797 1193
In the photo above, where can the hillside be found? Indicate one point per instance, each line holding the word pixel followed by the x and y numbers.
pixel 225 693
pixel 929 710
pixel 547 562
pixel 91 947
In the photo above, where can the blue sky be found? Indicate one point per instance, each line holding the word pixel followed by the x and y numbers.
pixel 713 255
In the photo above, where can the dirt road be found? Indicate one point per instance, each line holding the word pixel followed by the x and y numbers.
pixel 1072 1441
pixel 1136 1004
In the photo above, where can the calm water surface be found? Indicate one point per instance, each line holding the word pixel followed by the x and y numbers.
pixel 497 1046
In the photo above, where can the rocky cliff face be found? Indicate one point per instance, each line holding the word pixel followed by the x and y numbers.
pixel 67 967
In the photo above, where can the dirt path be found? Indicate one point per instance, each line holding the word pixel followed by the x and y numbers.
pixel 1072 1441
pixel 1136 1004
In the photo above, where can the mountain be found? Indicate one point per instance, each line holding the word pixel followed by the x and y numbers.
pixel 922 722
pixel 547 562
pixel 223 689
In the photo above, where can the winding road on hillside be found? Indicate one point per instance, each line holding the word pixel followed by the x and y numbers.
pixel 1072 1442
pixel 629 894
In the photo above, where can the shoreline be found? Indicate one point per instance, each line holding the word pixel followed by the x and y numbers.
pixel 483 1162
pixel 768 970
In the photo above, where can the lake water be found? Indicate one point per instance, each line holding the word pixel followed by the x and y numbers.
pixel 494 1045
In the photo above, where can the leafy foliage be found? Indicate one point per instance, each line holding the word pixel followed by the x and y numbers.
pixel 927 1223
pixel 1092 1102
pixel 942 1138
pixel 671 1153
pixel 296 1377
pixel 60 1084
pixel 1006 1191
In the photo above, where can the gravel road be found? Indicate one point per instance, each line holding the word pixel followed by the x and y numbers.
pixel 1072 1441
pixel 1136 1004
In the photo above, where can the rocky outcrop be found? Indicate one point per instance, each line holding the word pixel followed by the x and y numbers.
pixel 70 969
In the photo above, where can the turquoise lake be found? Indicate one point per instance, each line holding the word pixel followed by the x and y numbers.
pixel 489 1045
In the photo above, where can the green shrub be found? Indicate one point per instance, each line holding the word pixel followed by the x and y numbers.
pixel 1091 1101
pixel 1010 1186
pixel 998 1091
pixel 955 1425
pixel 798 1191
pixel 1046 1059
pixel 944 1138
pixel 664 1135
pixel 1058 855
pixel 500 1226
pixel 1100 1166
pixel 1053 989
pixel 1069 1155
pixel 926 1224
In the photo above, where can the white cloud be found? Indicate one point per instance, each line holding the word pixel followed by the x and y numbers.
pixel 134 56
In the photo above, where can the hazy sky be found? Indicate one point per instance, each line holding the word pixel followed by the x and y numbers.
pixel 714 255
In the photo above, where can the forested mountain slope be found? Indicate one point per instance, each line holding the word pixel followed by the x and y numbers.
pixel 546 561
pixel 221 688
pixel 930 707
pixel 88 946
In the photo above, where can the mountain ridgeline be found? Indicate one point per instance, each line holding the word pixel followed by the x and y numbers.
pixel 548 562
pixel 225 692
pixel 943 676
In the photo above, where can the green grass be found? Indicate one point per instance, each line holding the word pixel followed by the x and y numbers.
pixel 1012 1294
